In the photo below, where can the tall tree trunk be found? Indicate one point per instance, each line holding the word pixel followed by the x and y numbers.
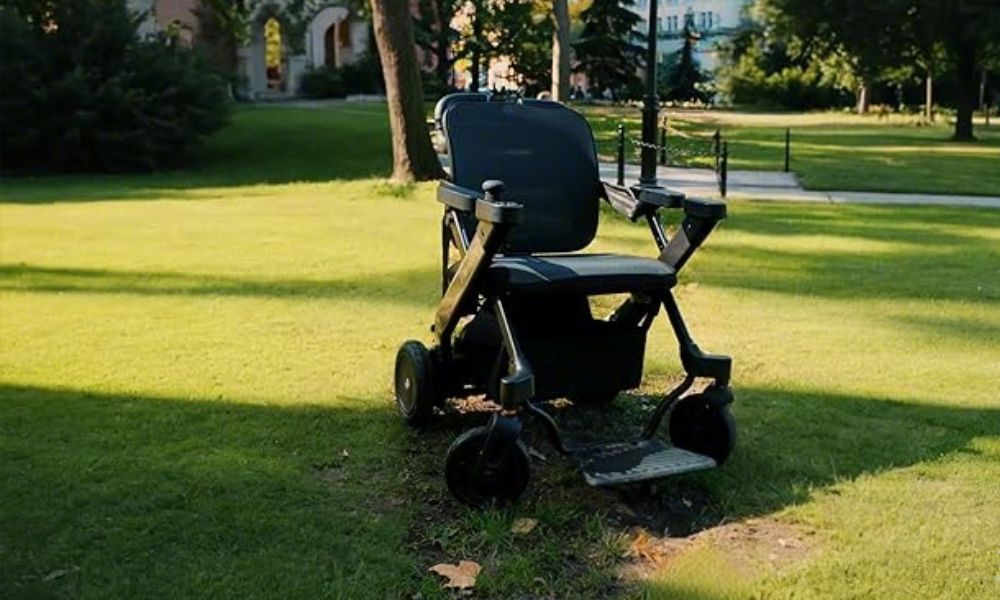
pixel 477 56
pixel 442 65
pixel 965 72
pixel 413 158
pixel 929 98
pixel 863 98
pixel 560 51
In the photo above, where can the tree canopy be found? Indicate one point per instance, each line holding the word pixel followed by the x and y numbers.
pixel 882 35
pixel 607 50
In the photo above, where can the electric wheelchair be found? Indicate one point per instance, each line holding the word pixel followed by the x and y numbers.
pixel 515 323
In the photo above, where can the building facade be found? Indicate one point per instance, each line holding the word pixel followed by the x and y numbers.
pixel 281 46
pixel 715 21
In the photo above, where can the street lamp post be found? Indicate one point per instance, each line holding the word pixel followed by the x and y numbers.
pixel 650 106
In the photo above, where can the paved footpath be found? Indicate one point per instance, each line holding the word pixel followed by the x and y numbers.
pixel 775 185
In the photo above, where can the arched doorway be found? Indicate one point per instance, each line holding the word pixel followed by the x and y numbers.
pixel 327 30
pixel 330 45
pixel 344 54
pixel 274 55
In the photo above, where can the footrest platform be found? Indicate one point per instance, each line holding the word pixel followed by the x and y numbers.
pixel 640 460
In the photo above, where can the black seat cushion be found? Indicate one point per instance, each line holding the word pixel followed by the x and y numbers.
pixel 581 273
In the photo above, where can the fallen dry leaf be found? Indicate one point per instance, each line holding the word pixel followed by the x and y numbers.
pixel 461 576
pixel 643 546
pixel 59 573
pixel 523 526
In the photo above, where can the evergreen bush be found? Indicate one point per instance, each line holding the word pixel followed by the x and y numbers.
pixel 79 91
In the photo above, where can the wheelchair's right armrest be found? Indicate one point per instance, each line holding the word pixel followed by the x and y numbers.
pixel 703 208
pixel 659 197
pixel 701 215
pixel 457 197
pixel 637 201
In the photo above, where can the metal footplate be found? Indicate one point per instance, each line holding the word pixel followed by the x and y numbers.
pixel 641 460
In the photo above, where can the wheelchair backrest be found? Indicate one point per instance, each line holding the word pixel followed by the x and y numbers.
pixel 544 153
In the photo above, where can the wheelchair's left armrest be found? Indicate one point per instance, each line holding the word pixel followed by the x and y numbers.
pixel 495 218
pixel 455 196
pixel 637 201
pixel 700 218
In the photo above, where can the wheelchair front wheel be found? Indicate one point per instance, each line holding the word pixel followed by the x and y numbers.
pixel 700 426
pixel 415 393
pixel 482 469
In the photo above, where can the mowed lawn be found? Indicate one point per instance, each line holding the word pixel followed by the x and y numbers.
pixel 829 151
pixel 196 394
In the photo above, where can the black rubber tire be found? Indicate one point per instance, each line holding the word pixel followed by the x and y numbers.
pixel 503 478
pixel 702 427
pixel 416 397
pixel 594 399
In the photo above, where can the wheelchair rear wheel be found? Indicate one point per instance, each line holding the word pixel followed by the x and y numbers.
pixel 416 396
pixel 703 427
pixel 482 469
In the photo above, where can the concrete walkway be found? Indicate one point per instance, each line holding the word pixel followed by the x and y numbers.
pixel 775 185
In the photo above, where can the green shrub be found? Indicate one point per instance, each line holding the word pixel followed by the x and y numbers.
pixel 325 82
pixel 363 76
pixel 79 91
pixel 750 81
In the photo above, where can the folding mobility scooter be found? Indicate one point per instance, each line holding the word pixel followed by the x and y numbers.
pixel 514 321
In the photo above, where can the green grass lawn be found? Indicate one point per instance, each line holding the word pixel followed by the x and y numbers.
pixel 829 151
pixel 195 395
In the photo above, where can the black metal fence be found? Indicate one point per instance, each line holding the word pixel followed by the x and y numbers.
pixel 679 149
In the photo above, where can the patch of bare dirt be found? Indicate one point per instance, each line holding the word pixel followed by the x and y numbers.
pixel 752 548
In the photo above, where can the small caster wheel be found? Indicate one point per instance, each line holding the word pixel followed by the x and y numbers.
pixel 484 469
pixel 415 393
pixel 702 427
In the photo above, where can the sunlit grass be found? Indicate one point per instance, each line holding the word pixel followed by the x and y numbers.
pixel 196 395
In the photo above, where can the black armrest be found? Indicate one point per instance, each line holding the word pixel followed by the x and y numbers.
pixel 457 197
pixel 622 200
pixel 659 197
pixel 700 218
pixel 507 213
pixel 495 218
pixel 703 208
pixel 638 201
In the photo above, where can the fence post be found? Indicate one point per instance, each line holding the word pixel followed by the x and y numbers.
pixel 788 147
pixel 663 146
pixel 716 147
pixel 621 154
pixel 724 170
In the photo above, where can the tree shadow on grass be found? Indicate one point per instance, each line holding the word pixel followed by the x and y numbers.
pixel 129 494
pixel 119 495
pixel 414 287
pixel 262 146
